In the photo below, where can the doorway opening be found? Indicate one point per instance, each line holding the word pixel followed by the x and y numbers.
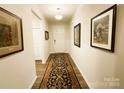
pixel 37 37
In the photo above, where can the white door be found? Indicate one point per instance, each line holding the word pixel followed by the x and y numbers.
pixel 59 39
pixel 37 37
pixel 37 44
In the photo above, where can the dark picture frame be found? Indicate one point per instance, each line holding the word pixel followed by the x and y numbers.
pixel 46 35
pixel 77 35
pixel 103 29
pixel 11 36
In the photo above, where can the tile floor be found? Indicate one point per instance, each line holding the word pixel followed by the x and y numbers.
pixel 40 70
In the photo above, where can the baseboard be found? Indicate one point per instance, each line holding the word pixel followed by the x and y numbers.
pixel 45 61
pixel 82 73
pixel 85 78
pixel 30 86
pixel 58 52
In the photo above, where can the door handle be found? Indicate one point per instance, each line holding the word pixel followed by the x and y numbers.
pixel 54 41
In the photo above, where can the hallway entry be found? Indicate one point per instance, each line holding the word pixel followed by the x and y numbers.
pixel 59 37
pixel 60 73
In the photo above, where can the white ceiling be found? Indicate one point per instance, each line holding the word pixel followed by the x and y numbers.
pixel 50 10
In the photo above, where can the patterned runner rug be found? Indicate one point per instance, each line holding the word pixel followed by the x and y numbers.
pixel 59 74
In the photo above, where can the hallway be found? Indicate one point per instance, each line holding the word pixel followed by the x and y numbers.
pixel 61 46
pixel 61 73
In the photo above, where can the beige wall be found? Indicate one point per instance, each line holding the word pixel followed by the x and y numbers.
pixel 18 70
pixel 97 65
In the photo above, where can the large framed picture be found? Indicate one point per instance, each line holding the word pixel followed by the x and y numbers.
pixel 11 39
pixel 77 34
pixel 46 35
pixel 103 29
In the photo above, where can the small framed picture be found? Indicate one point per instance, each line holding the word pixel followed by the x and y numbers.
pixel 103 29
pixel 11 38
pixel 77 34
pixel 46 35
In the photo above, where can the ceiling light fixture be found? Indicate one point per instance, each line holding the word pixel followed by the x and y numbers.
pixel 58 17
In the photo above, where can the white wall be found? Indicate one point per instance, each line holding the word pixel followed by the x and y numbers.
pixel 59 32
pixel 18 70
pixel 97 65
pixel 44 44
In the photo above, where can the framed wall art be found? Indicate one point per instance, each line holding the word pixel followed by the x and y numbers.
pixel 103 29
pixel 11 38
pixel 46 35
pixel 77 34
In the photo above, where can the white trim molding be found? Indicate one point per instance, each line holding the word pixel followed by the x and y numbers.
pixel 34 79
